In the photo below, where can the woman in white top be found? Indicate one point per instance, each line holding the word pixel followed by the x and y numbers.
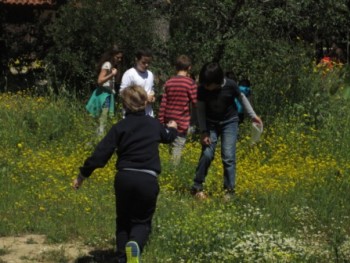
pixel 140 75
pixel 102 100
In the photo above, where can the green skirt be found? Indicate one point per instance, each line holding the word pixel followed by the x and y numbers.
pixel 98 100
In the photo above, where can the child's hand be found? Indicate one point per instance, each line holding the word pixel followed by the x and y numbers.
pixel 150 97
pixel 78 182
pixel 172 124
pixel 258 120
pixel 205 139
pixel 114 71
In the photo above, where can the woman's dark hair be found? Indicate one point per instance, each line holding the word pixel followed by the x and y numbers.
pixel 108 56
pixel 211 73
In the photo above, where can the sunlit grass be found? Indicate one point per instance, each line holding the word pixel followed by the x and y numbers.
pixel 292 202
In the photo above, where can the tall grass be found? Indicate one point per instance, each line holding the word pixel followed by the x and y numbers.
pixel 292 202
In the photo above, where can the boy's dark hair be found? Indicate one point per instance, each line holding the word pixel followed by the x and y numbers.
pixel 211 73
pixel 183 62
pixel 231 75
pixel 244 82
pixel 143 53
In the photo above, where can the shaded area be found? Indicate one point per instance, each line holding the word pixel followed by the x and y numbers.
pixel 28 2
pixel 98 256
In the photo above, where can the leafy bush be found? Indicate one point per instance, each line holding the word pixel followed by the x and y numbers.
pixel 82 31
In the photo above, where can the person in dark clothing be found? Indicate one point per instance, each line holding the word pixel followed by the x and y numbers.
pixel 135 139
pixel 218 118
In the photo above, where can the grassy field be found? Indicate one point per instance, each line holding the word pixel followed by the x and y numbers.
pixel 292 202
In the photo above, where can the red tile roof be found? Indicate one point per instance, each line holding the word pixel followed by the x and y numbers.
pixel 28 2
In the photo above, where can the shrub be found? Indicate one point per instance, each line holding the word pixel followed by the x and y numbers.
pixel 82 32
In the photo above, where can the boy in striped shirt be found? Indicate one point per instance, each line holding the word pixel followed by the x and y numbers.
pixel 179 92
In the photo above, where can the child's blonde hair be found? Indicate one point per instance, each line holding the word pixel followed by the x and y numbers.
pixel 134 98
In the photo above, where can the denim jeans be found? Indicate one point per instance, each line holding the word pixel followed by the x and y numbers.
pixel 228 131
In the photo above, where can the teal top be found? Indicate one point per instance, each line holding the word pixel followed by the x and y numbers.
pixel 97 100
pixel 247 92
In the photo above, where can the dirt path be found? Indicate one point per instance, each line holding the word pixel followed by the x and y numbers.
pixel 33 248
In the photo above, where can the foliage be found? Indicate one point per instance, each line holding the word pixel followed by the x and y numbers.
pixel 291 205
pixel 198 29
pixel 292 202
pixel 270 42
pixel 267 42
pixel 2 40
pixel 306 19
pixel 82 31
pixel 208 25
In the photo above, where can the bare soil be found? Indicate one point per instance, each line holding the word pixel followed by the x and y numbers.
pixel 34 248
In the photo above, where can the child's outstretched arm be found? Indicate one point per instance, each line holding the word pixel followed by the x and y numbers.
pixel 99 158
pixel 172 124
pixel 169 132
pixel 249 109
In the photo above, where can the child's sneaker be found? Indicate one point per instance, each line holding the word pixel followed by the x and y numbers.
pixel 100 131
pixel 198 193
pixel 229 194
pixel 132 252
pixel 201 195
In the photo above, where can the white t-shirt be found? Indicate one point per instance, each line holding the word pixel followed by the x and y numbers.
pixel 109 83
pixel 143 79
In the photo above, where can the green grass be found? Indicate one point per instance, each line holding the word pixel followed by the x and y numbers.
pixel 292 202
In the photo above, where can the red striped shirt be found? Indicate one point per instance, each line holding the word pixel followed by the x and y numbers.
pixel 179 93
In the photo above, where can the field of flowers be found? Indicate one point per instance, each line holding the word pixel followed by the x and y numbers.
pixel 292 202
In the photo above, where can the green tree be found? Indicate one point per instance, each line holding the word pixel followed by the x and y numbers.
pixel 270 42
pixel 83 30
